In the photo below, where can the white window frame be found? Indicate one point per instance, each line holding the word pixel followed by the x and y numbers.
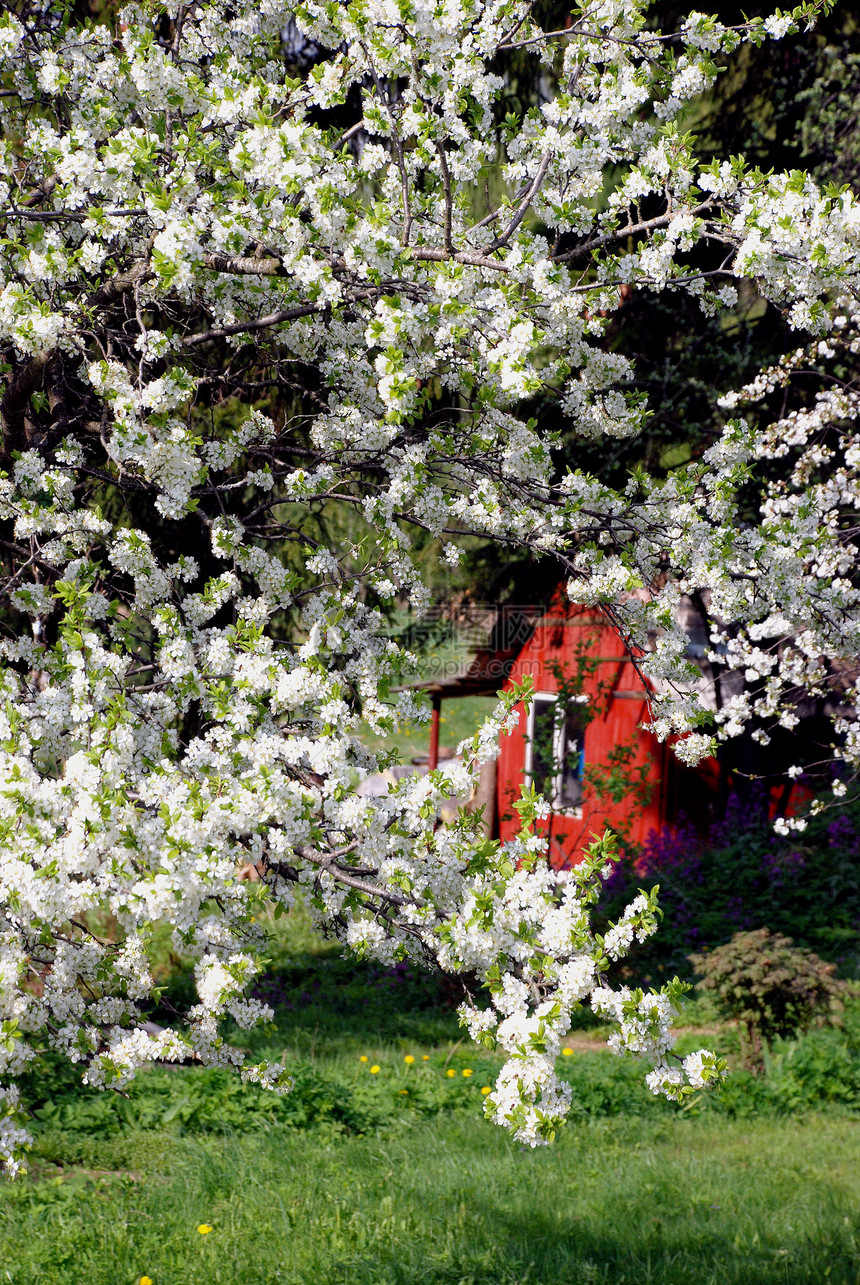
pixel 557 753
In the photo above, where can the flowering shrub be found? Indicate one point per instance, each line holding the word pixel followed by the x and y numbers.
pixel 263 315
pixel 770 986
pixel 739 875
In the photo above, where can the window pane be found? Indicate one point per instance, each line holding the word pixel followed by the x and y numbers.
pixel 570 791
pixel 542 767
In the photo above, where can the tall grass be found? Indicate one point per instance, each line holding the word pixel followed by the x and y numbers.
pixel 452 1202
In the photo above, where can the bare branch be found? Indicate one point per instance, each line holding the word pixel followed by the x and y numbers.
pixel 431 255
pixel 275 318
pixel 244 265
pixel 348 134
pixel 326 862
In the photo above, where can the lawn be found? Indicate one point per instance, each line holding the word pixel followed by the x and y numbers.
pixel 393 1177
pixel 444 650
pixel 674 1202
pixel 459 719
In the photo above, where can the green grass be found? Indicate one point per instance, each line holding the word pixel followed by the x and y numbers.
pixel 443 652
pixel 452 1202
pixel 351 1181
pixel 459 718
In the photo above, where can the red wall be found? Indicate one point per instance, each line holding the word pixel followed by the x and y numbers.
pixel 557 639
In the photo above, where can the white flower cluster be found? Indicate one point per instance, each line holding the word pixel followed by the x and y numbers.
pixel 246 352
pixel 14 1138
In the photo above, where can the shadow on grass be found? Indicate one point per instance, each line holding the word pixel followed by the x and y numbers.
pixel 338 1001
pixel 672 1205
pixel 453 1202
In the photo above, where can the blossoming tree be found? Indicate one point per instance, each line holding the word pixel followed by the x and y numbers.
pixel 261 261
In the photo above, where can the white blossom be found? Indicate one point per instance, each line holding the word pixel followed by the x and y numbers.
pixel 248 355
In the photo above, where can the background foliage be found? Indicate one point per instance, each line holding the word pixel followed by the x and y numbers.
pixel 740 876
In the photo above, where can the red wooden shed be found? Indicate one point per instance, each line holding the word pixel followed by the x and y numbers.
pixel 590 701
pixel 614 697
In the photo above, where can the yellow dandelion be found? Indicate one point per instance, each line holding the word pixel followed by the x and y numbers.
pixel 450 1072
pixel 567 1052
pixel 425 1057
pixel 409 1059
pixel 363 1057
pixel 467 1070
pixel 204 1229
pixel 374 1070
pixel 485 1089
pixel 145 1280
pixel 404 1092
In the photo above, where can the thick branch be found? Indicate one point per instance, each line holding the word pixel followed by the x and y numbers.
pixel 13 407
pixel 118 285
pixel 244 265
pixel 41 193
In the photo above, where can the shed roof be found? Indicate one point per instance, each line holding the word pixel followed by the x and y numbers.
pixel 487 672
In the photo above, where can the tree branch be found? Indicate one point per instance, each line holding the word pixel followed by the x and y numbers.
pixel 118 285
pixel 286 314
pixel 430 255
pixel 327 863
pixel 244 265
pixel 632 229
pixel 15 400
pixel 531 193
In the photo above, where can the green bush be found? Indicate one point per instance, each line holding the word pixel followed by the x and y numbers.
pixel 607 1086
pixel 769 986
pixel 79 1126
